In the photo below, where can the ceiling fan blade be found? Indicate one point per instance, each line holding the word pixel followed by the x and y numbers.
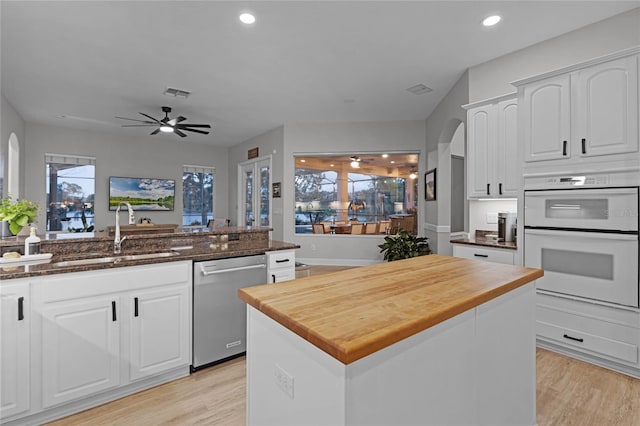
pixel 133 119
pixel 186 129
pixel 148 116
pixel 139 125
pixel 179 133
pixel 155 132
pixel 176 120
pixel 182 126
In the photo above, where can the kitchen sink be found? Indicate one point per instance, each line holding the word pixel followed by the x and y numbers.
pixel 115 259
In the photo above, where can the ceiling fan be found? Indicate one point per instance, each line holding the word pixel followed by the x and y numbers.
pixel 168 125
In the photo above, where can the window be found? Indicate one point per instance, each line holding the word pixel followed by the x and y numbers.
pixel 342 189
pixel 70 192
pixel 197 195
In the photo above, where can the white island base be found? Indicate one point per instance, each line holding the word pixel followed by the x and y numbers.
pixel 477 368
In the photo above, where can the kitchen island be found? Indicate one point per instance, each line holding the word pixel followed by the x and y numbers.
pixel 429 340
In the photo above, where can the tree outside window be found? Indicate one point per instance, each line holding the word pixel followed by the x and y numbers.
pixel 197 195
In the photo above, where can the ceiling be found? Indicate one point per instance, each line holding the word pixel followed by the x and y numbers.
pixel 80 64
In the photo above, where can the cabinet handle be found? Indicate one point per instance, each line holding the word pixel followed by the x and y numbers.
pixel 135 306
pixel 564 148
pixel 488 189
pixel 20 308
pixel 480 255
pixel 566 336
pixel 273 277
pixel 282 260
pixel 113 311
pixel 500 188
pixel 584 146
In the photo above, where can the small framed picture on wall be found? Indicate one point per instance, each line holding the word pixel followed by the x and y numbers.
pixel 275 189
pixel 430 185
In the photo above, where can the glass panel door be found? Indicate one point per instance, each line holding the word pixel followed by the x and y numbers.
pixel 254 207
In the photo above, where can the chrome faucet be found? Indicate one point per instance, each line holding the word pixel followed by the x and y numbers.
pixel 117 241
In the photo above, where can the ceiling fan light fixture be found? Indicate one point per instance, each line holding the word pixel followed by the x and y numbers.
pixel 247 18
pixel 166 129
pixel 492 20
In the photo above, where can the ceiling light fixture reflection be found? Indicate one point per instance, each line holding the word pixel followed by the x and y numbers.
pixel 490 21
pixel 247 18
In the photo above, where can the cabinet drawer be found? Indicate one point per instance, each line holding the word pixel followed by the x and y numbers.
pixel 282 259
pixel 617 341
pixel 279 276
pixel 487 254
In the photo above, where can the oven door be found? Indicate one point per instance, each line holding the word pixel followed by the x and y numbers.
pixel 600 266
pixel 614 209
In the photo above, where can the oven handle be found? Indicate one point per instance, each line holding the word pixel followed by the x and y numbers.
pixel 578 234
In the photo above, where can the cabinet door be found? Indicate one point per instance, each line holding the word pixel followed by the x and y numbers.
pixel 606 108
pixel 159 339
pixel 480 161
pixel 508 168
pixel 14 369
pixel 546 115
pixel 280 275
pixel 80 348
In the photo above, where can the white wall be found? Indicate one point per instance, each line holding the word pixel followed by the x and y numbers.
pixel 493 78
pixel 271 144
pixel 122 154
pixel 348 138
pixel 11 122
pixel 441 127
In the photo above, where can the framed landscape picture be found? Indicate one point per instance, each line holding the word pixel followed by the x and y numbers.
pixel 142 193
pixel 430 185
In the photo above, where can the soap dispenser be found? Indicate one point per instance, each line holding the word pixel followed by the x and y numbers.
pixel 32 243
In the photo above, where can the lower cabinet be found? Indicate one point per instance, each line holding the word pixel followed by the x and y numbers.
pixel 281 266
pixel 95 336
pixel 15 316
pixel 497 255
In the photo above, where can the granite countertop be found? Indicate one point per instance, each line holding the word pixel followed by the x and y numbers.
pixel 197 253
pixel 354 313
pixel 482 238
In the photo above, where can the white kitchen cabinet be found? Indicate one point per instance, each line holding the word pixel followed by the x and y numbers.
pixel 492 167
pixel 98 332
pixel 488 254
pixel 281 265
pixel 587 111
pixel 159 339
pixel 81 348
pixel 15 316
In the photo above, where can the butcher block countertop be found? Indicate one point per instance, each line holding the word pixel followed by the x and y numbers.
pixel 356 312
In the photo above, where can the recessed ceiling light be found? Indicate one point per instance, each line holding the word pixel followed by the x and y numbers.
pixel 247 18
pixel 491 20
pixel 392 162
pixel 303 160
pixel 385 155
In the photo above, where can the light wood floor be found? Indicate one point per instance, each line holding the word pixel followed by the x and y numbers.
pixel 569 392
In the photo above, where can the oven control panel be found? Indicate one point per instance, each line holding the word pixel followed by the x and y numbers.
pixel 571 181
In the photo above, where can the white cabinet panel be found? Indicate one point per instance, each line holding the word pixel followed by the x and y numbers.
pixel 80 348
pixel 159 330
pixel 281 266
pixel 15 317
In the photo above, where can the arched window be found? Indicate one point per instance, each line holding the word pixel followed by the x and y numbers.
pixel 13 167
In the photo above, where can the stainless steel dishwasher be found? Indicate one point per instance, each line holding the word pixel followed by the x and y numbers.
pixel 219 316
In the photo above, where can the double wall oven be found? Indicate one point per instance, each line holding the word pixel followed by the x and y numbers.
pixel 583 232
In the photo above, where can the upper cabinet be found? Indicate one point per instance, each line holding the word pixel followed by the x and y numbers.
pixel 492 169
pixel 584 111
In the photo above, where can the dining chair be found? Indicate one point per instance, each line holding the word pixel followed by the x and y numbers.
pixel 327 227
pixel 357 228
pixel 385 226
pixel 318 228
pixel 371 228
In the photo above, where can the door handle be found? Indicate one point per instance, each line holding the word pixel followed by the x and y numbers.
pixel 564 148
pixel 273 277
pixel 488 189
pixel 20 308
pixel 584 146
pixel 135 306
pixel 223 271
pixel 113 311
pixel 500 188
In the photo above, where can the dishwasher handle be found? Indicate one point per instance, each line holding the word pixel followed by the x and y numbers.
pixel 206 273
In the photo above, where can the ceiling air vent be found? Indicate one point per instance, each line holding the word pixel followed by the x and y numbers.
pixel 419 89
pixel 177 93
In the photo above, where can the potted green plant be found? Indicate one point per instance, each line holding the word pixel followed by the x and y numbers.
pixel 18 213
pixel 404 245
